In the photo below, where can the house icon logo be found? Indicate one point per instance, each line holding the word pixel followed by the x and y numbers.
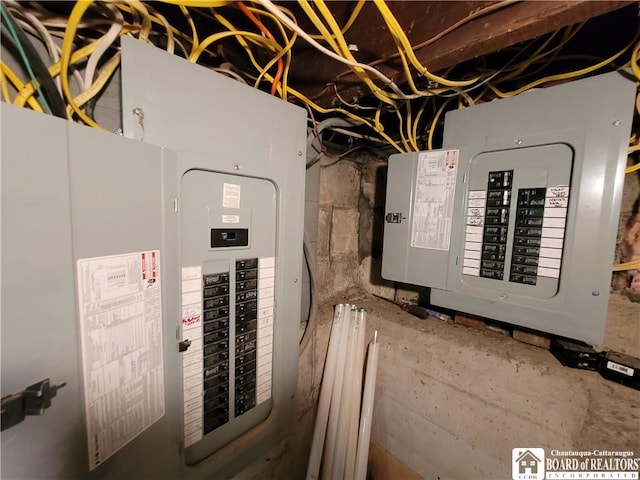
pixel 527 463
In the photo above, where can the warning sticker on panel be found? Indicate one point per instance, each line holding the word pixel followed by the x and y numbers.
pixel 434 199
pixel 120 313
pixel 231 195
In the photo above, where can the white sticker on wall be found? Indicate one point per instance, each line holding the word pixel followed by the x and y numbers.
pixel 231 195
pixel 120 313
pixel 434 199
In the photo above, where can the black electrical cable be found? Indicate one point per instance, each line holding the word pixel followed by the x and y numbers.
pixel 43 77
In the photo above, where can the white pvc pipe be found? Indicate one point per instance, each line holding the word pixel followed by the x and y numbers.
pixel 352 443
pixel 322 417
pixel 336 395
pixel 364 437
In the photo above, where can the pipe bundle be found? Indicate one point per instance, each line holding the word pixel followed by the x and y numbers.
pixel 343 423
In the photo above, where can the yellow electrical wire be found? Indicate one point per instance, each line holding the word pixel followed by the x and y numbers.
pixel 418 116
pixel 297 94
pixel 324 32
pixel 98 84
pixel 289 42
pixel 397 31
pixel 5 87
pixel 352 18
pixel 17 83
pixel 632 265
pixel 194 32
pixel 238 34
pixel 65 60
pixel 563 76
pixel 67 43
pixel 200 3
pixel 540 52
pixel 344 51
pixel 158 19
pixel 410 138
pixel 26 93
pixel 435 122
pixel 634 61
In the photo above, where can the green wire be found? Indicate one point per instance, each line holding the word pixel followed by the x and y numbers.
pixel 36 84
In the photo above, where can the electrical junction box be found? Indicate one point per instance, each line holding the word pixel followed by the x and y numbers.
pixel 158 277
pixel 516 218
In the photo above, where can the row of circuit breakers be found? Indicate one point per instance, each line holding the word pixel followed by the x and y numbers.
pixel 516 218
pixel 215 298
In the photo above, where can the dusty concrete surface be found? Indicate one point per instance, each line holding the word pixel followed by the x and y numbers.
pixel 623 325
pixel 452 402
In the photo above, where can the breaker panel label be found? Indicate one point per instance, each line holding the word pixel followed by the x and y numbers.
pixel 192 358
pixel 120 312
pixel 434 199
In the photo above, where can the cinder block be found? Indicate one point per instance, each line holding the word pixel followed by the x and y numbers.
pixel 472 322
pixel 344 231
pixel 532 338
pixel 324 230
pixel 340 185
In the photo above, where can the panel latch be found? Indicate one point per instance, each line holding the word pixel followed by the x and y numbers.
pixel 184 345
pixel 33 400
pixel 394 217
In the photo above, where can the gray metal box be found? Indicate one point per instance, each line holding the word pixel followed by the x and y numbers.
pixel 536 208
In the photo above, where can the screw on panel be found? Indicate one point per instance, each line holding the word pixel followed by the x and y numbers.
pixel 299 153
pixel 617 123
pixel 237 166
pixel 502 297
pixel 295 280
pixel 595 293
pixel 517 141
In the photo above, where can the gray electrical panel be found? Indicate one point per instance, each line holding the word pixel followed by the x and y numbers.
pixel 241 206
pixel 159 283
pixel 522 226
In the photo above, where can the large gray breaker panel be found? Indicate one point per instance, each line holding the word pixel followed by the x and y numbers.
pixel 534 207
pixel 240 177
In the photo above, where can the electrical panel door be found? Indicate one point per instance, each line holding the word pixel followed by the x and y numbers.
pixel 529 209
pixel 228 240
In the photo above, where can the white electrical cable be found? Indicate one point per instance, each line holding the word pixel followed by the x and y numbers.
pixel 103 45
pixel 32 25
pixel 229 73
pixel 289 23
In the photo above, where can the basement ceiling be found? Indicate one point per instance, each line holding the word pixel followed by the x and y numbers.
pixel 443 33
pixel 471 52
